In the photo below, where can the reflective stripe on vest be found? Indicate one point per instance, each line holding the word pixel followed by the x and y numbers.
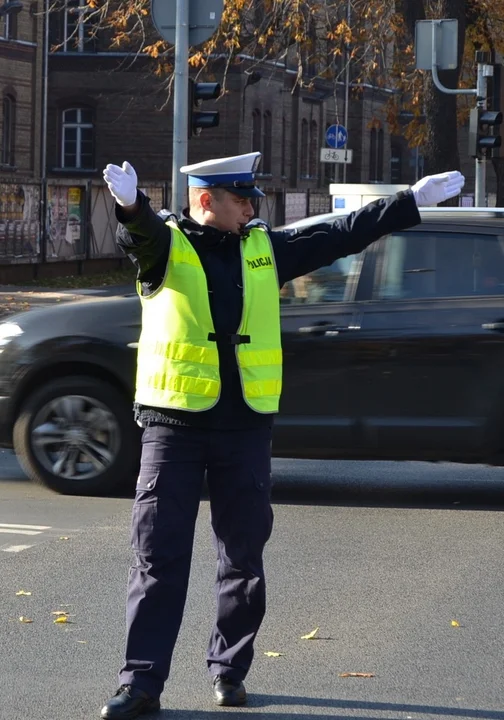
pixel 178 366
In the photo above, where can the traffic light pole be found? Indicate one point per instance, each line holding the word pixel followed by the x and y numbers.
pixel 480 167
pixel 180 106
pixel 436 46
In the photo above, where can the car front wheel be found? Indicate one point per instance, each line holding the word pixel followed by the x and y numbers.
pixel 76 436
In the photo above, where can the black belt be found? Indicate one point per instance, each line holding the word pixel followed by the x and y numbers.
pixel 232 339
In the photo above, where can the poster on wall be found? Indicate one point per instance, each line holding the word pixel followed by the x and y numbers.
pixel 64 227
pixel 19 221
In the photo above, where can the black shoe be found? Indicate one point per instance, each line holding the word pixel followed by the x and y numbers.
pixel 128 703
pixel 227 691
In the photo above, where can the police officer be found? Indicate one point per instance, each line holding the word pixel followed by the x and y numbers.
pixel 208 385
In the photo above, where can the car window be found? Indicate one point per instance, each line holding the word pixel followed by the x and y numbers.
pixel 440 264
pixel 327 284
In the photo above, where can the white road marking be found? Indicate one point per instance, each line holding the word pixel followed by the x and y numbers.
pixel 20 532
pixel 16 548
pixel 25 527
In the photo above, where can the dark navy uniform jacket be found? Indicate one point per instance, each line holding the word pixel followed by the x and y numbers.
pixel 146 239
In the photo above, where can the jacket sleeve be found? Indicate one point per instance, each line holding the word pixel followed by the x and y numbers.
pixel 298 252
pixel 145 238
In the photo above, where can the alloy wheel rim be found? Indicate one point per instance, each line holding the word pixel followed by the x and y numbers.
pixel 75 437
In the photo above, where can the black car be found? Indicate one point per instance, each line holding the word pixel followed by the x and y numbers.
pixel 397 353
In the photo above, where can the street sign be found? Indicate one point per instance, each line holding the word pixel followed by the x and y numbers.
pixel 446 33
pixel 336 136
pixel 336 156
pixel 204 19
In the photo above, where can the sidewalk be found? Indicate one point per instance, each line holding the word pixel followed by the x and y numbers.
pixel 16 298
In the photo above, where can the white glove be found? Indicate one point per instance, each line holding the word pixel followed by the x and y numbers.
pixel 122 183
pixel 434 189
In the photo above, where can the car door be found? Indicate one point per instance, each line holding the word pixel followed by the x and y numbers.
pixel 431 359
pixel 317 410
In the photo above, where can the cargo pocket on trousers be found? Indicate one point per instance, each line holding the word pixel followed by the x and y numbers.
pixel 145 510
pixel 262 475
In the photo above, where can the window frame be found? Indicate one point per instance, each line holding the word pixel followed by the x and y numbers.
pixel 304 155
pixel 256 131
pixel 376 154
pixel 267 142
pixel 10 26
pixel 79 126
pixel 79 10
pixel 8 154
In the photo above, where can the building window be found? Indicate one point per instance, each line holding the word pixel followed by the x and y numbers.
pixel 380 155
pixel 313 155
pixel 77 139
pixel 376 155
pixel 305 149
pixel 256 131
pixel 8 130
pixel 267 142
pixel 8 26
pixel 283 157
pixel 395 163
pixel 77 33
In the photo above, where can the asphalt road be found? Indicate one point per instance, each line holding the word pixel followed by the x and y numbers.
pixel 382 557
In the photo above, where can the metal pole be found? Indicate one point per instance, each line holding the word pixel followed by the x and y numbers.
pixel 180 109
pixel 347 84
pixel 436 24
pixel 480 166
pixel 43 138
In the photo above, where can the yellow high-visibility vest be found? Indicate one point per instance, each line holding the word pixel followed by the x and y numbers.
pixel 178 361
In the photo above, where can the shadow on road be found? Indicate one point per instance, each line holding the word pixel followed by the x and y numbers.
pixel 360 484
pixel 339 493
pixel 332 705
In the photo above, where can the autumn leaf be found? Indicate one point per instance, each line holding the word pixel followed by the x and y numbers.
pixel 61 619
pixel 23 592
pixel 310 635
pixel 60 613
pixel 455 623
pixel 356 674
pixel 270 653
pixel 24 619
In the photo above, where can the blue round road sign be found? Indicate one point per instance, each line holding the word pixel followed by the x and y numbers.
pixel 336 136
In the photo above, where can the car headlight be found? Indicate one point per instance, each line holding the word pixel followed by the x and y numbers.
pixel 8 331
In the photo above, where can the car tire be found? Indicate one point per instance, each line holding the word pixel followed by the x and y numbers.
pixel 101 414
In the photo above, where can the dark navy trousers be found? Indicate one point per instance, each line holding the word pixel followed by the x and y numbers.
pixel 173 466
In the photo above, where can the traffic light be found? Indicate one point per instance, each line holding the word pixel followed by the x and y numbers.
pixel 484 131
pixel 202 119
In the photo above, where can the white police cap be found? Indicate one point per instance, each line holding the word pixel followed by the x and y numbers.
pixel 235 174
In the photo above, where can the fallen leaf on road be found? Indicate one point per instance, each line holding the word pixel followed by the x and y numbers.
pixel 62 619
pixel 455 623
pixel 273 654
pixel 59 612
pixel 24 619
pixel 357 674
pixel 83 642
pixel 23 592
pixel 311 635
pixel 64 538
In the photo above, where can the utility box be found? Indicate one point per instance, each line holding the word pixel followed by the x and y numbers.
pixel 352 196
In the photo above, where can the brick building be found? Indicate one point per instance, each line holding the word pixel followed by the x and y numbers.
pixel 20 128
pixel 105 107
